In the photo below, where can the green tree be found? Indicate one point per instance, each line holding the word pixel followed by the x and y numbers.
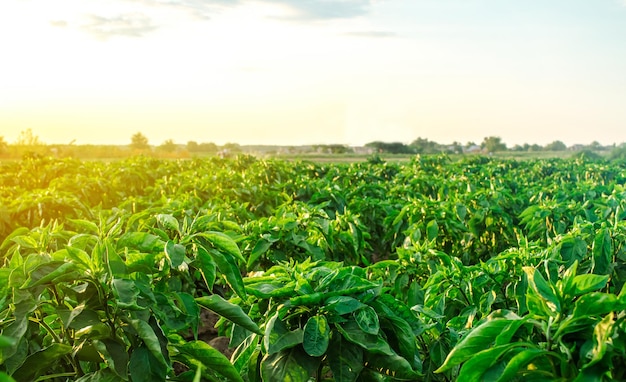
pixel 556 146
pixel 493 144
pixel 3 145
pixel 193 147
pixel 27 138
pixel 168 146
pixel 139 142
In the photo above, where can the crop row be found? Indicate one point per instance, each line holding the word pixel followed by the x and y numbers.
pixel 432 270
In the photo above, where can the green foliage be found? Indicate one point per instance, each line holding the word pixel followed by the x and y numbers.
pixel 434 270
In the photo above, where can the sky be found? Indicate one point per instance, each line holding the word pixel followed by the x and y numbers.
pixel 297 72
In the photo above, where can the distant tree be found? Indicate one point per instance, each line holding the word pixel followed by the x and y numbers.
pixel 139 142
pixel 3 145
pixel 493 144
pixel 193 147
pixel 168 146
pixel 208 147
pixel 333 149
pixel 232 147
pixel 556 146
pixel 424 146
pixel 27 138
pixel 392 148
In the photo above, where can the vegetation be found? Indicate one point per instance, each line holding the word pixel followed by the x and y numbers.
pixel 434 270
pixel 431 270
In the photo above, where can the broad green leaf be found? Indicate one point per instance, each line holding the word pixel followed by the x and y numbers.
pixel 602 334
pixel 432 229
pixel 4 377
pixel 259 249
pixel 40 362
pixel 519 361
pixel 224 243
pixel 145 367
pixel 115 354
pixel 204 262
pixel 79 256
pixel 52 272
pixel 168 222
pixel 175 253
pixel 126 293
pixel 9 239
pixel 289 365
pixel 543 289
pixel 597 304
pixel 342 304
pixel 372 343
pixel 589 283
pixel 230 311
pixel 475 367
pixel 316 336
pixel 480 338
pixel 392 365
pixel 142 241
pixel 6 342
pixel 278 337
pixel 104 375
pixel 210 358
pixel 150 340
pixel 367 319
pixel 230 270
pixel 602 254
pixel 245 350
pixel 345 359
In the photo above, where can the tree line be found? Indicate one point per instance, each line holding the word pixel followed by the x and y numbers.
pixel 29 143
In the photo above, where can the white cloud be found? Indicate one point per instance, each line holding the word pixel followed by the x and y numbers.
pixel 129 24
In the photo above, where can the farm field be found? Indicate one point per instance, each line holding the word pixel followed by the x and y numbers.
pixel 423 270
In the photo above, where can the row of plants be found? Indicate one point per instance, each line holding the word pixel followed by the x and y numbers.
pixel 432 270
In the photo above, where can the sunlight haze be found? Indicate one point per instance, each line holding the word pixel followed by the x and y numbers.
pixel 291 72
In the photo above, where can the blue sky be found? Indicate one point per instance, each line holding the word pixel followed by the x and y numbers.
pixel 314 71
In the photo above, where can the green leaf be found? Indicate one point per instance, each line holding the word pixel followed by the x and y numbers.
pixel 602 334
pixel 316 336
pixel 4 377
pixel 278 337
pixel 520 360
pixel 51 272
pixel 41 362
pixel 168 222
pixel 204 262
pixel 367 319
pixel 476 366
pixel 230 311
pixel 224 243
pixel 104 375
pixel 602 254
pixel 480 338
pixel 432 229
pixel 142 241
pixel 342 304
pixel 597 304
pixel 210 358
pixel 345 359
pixel 289 365
pixel 259 249
pixel 150 340
pixel 392 365
pixel 230 270
pixel 543 290
pixel 589 283
pixel 372 343
pixel 145 367
pixel 126 293
pixel 7 342
pixel 175 253
pixel 115 354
